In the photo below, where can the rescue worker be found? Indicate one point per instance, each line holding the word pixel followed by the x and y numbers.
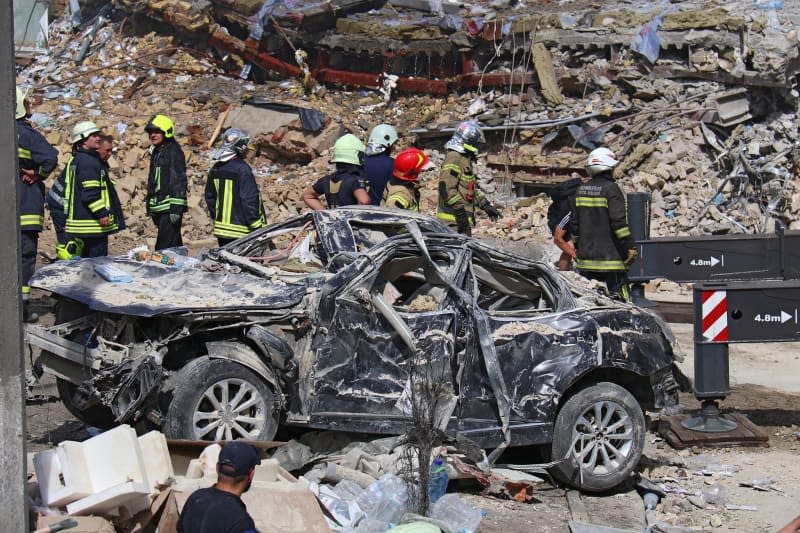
pixel 599 225
pixel 166 182
pixel 346 186
pixel 70 248
pixel 378 164
pixel 558 215
pixel 401 190
pixel 90 199
pixel 459 194
pixel 37 159
pixel 219 508
pixel 232 195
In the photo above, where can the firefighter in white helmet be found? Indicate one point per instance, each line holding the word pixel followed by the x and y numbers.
pixel 599 225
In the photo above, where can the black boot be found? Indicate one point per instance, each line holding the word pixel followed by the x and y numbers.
pixel 28 316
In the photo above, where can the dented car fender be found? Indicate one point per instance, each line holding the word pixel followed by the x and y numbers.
pixel 244 355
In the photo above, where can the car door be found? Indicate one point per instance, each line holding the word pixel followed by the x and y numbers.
pixel 539 346
pixel 393 319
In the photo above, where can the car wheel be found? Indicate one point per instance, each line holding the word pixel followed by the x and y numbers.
pixel 600 431
pixel 96 415
pixel 216 399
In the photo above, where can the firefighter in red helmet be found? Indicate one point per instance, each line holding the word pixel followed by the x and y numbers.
pixel 401 190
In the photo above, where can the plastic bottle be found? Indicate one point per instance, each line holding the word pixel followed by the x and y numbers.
pixel 650 500
pixel 457 514
pixel 385 500
pixel 437 480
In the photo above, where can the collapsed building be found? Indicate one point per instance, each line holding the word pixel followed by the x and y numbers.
pixel 698 100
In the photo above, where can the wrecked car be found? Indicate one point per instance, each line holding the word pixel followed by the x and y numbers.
pixel 319 322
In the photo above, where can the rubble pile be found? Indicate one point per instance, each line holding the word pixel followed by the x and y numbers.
pixel 715 159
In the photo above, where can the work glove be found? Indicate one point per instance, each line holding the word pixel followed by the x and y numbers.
pixel 492 212
pixel 632 255
pixel 462 221
pixel 174 218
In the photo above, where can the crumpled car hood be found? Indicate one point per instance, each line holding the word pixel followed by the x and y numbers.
pixel 158 289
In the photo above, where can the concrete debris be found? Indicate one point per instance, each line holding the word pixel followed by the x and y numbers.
pixel 114 474
pixel 739 182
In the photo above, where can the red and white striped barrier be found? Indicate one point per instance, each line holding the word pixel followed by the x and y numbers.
pixel 715 316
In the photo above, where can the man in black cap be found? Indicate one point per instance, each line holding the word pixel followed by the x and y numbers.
pixel 219 509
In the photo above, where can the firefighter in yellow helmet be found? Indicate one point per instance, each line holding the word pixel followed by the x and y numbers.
pixel 166 182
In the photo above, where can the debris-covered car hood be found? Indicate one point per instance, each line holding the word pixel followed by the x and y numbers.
pixel 157 289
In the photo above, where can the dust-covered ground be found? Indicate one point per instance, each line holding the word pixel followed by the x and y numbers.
pixel 764 387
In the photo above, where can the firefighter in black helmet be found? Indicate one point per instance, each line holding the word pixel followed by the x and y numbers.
pixel 166 182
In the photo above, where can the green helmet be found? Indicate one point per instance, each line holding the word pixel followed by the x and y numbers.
pixel 161 123
pixel 82 130
pixel 348 149
pixel 20 104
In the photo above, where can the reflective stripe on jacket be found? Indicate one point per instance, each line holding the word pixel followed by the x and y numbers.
pixel 166 182
pixel 401 196
pixel 34 153
pixel 233 199
pixel 89 195
pixel 458 187
pixel 599 225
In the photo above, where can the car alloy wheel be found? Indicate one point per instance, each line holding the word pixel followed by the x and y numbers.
pixel 219 399
pixel 602 438
pixel 598 437
pixel 229 409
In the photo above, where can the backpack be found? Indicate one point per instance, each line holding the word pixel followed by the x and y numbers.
pixel 563 198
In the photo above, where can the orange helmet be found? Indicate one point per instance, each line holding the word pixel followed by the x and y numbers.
pixel 409 163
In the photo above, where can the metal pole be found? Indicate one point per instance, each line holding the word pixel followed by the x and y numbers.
pixel 13 508
pixel 711 375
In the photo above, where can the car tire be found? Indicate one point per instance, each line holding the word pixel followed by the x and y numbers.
pixel 600 456
pixel 97 415
pixel 217 399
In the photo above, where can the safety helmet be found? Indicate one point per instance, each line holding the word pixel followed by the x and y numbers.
pixel 600 160
pixel 466 138
pixel 82 130
pixel 161 123
pixel 71 249
pixel 21 95
pixel 234 143
pixel 348 149
pixel 381 138
pixel 409 163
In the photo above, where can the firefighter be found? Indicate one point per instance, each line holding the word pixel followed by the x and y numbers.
pixel 70 248
pixel 599 225
pixel 378 164
pixel 37 159
pixel 232 196
pixel 90 199
pixel 459 194
pixel 166 182
pixel 401 190
pixel 346 186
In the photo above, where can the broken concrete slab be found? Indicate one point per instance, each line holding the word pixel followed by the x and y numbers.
pixel 100 474
pixel 134 497
pixel 543 63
